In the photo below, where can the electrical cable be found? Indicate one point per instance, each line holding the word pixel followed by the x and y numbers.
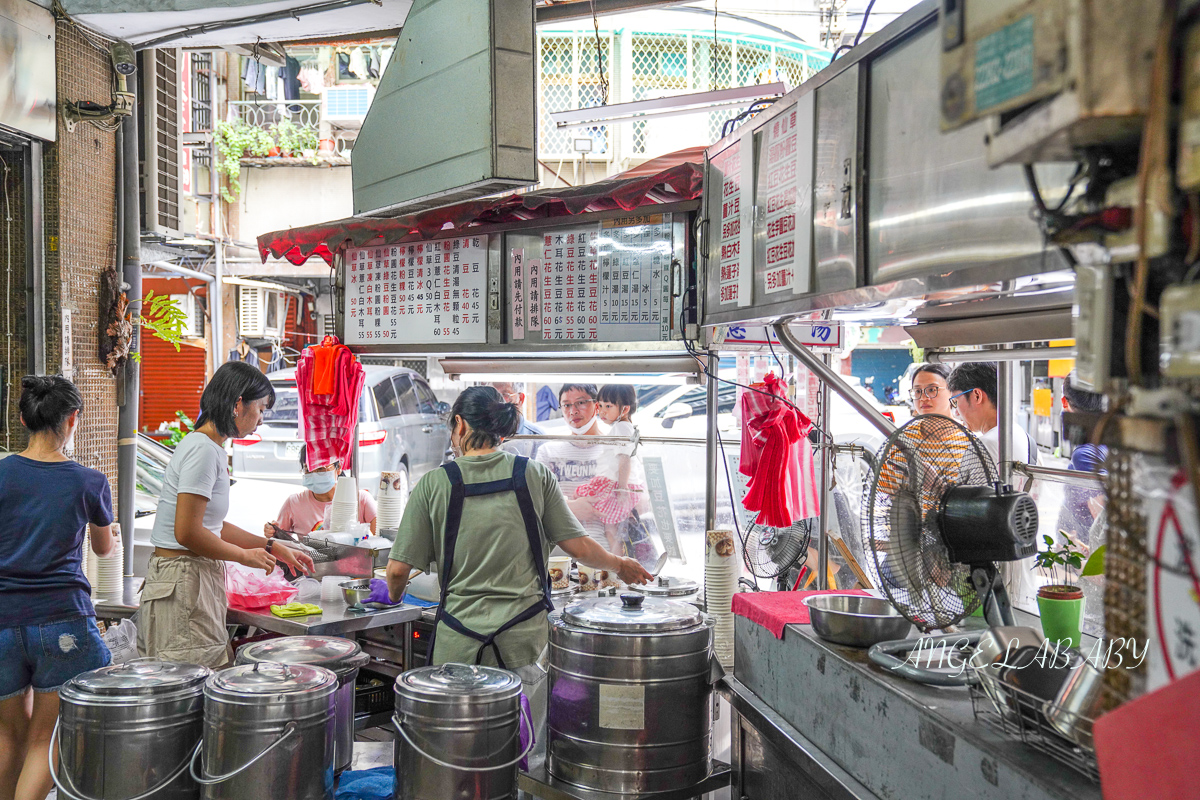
pixel 858 38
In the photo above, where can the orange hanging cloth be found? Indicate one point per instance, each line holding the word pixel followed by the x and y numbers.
pixel 324 368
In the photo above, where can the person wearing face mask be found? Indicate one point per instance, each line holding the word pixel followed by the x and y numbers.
pixel 183 607
pixel 307 511
pixel 48 633
pixel 577 461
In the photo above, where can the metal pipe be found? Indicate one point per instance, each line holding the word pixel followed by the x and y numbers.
pixel 1071 477
pixel 167 266
pixel 36 260
pixel 216 291
pixel 1021 354
pixel 834 381
pixel 711 448
pixel 1004 411
pixel 131 274
pixel 826 464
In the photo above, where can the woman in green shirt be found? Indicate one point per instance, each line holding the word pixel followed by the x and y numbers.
pixel 490 520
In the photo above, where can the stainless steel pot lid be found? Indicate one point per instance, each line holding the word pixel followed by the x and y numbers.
pixel 667 587
pixel 631 613
pixel 270 678
pixel 339 655
pixel 459 680
pixel 142 676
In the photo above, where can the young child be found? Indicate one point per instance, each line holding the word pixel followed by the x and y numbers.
pixel 619 478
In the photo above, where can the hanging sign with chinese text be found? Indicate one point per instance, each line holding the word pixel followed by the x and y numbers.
pixel 428 293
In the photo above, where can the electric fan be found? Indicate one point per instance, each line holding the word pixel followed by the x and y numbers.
pixel 770 552
pixel 935 521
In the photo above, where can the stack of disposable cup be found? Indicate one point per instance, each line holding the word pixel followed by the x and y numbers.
pixel 345 504
pixel 87 562
pixel 110 574
pixel 330 590
pixel 722 565
pixel 393 494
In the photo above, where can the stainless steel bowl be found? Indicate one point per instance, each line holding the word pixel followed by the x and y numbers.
pixel 854 620
pixel 1079 702
pixel 355 591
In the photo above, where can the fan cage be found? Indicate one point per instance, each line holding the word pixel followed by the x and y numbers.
pixel 769 552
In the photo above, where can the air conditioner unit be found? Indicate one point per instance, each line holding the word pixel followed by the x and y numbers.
pixel 349 103
pixel 162 138
pixel 193 309
pixel 261 312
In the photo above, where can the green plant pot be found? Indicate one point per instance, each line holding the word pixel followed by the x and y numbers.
pixel 1062 617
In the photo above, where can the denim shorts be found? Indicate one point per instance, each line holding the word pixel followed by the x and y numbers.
pixel 46 656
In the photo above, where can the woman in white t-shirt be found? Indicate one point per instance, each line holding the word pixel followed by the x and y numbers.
pixel 183 606
pixel 620 480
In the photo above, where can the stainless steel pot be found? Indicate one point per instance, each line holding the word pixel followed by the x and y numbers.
pixel 343 656
pixel 148 711
pixel 680 589
pixel 459 730
pixel 268 733
pixel 1079 702
pixel 630 708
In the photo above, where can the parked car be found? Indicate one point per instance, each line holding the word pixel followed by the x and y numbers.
pixel 401 429
pixel 251 502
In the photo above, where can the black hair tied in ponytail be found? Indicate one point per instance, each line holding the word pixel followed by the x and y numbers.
pixel 490 418
pixel 47 401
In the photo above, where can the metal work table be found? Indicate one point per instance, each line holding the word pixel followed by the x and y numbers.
pixel 820 721
pixel 538 783
pixel 336 619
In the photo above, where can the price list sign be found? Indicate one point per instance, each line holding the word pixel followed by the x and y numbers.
pixel 609 282
pixel 427 293
pixel 734 242
pixel 779 177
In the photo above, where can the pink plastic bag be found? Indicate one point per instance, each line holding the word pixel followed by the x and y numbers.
pixel 250 588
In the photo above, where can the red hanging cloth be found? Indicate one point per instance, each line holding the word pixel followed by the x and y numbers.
pixel 776 456
pixel 330 418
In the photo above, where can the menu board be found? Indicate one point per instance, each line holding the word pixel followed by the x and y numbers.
pixel 733 243
pixel 609 282
pixel 427 293
pixel 778 190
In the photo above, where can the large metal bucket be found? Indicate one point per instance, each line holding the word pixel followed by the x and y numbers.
pixel 459 729
pixel 630 707
pixel 268 733
pixel 128 731
pixel 343 656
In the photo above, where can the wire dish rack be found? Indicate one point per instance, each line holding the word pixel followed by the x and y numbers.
pixel 1016 713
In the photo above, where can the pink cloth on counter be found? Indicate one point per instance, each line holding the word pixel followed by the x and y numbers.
pixel 776 610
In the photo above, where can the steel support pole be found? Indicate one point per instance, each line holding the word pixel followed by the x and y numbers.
pixel 826 465
pixel 1004 412
pixel 216 293
pixel 35 222
pixel 131 274
pixel 712 448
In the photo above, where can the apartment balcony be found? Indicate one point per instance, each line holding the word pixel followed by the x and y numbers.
pixel 324 130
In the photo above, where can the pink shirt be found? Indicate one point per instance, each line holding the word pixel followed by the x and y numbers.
pixel 304 513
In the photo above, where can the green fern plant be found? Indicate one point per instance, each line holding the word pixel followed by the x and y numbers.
pixel 164 318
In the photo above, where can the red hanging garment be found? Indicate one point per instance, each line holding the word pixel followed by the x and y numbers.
pixel 329 419
pixel 776 456
pixel 324 367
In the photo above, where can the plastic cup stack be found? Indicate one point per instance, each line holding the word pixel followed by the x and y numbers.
pixel 330 590
pixel 345 504
pixel 110 573
pixel 722 566
pixel 393 494
pixel 88 562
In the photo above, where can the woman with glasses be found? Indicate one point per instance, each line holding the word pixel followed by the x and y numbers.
pixel 931 393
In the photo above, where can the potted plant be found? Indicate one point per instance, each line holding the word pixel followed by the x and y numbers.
pixel 236 140
pixel 1061 601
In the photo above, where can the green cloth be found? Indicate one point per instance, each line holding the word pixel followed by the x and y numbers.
pixel 494 578
pixel 296 610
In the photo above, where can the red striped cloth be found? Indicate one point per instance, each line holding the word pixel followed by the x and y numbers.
pixel 330 419
pixel 777 457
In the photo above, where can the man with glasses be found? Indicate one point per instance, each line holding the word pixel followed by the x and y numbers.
pixel 514 392
pixel 973 385
pixel 575 462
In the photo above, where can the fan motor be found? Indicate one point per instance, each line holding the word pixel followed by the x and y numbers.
pixel 988 523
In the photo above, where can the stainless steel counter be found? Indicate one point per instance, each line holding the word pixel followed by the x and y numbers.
pixel 335 620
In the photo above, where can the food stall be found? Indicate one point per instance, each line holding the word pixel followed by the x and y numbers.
pixel 871 195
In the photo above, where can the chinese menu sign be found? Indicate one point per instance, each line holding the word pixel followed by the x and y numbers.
pixel 607 282
pixel 428 293
pixel 779 188
pixel 733 243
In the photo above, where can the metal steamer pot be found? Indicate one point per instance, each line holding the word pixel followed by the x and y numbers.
pixel 128 731
pixel 343 656
pixel 460 735
pixel 680 589
pixel 268 733
pixel 630 707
